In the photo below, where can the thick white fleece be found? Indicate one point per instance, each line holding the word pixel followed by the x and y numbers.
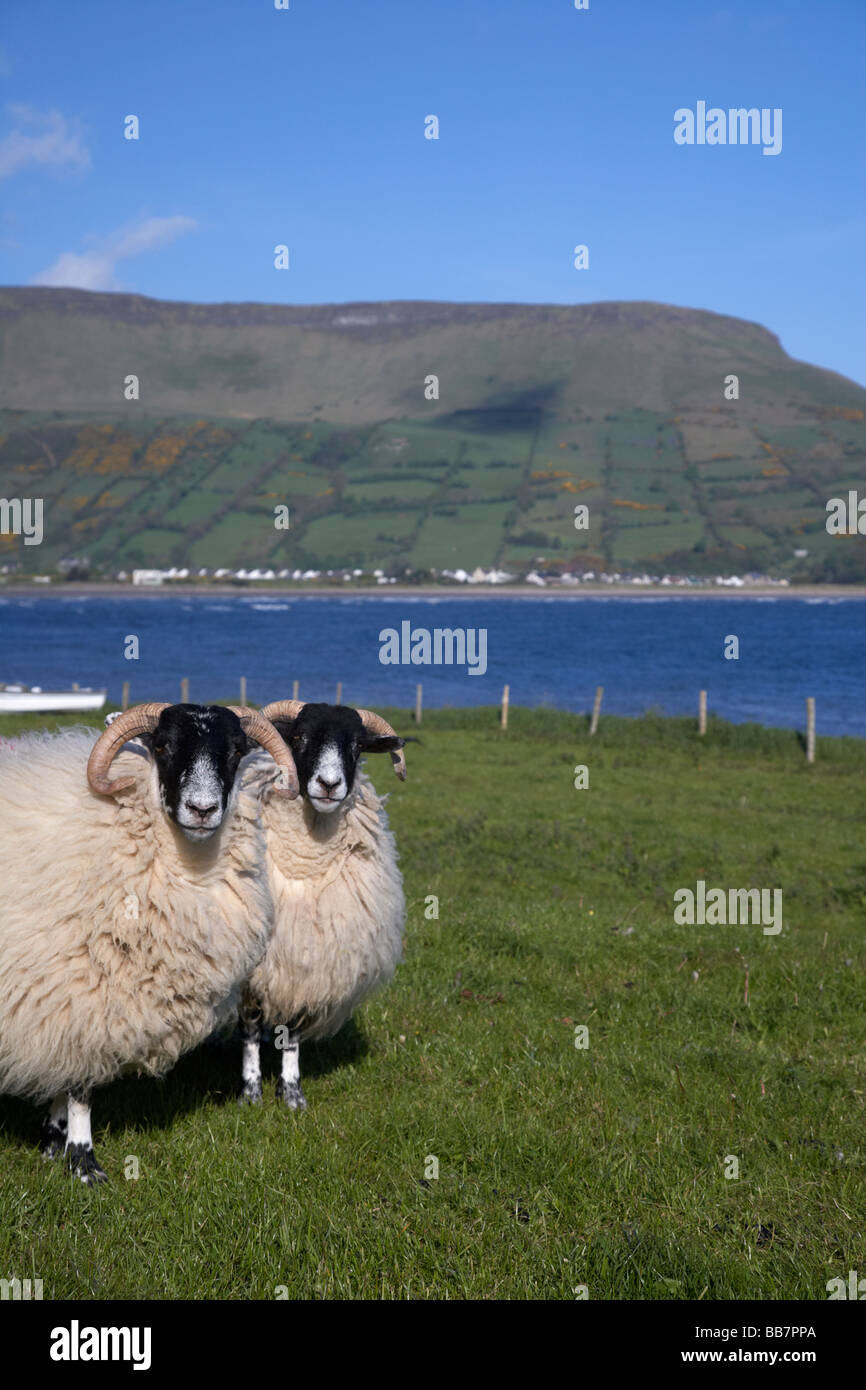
pixel 339 911
pixel 121 942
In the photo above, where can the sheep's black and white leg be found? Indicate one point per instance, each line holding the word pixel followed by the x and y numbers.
pixel 80 1158
pixel 52 1140
pixel 289 1085
pixel 251 1067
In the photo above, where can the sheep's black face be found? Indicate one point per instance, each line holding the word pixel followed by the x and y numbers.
pixel 197 750
pixel 327 742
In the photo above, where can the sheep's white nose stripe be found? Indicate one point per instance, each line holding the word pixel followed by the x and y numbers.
pixel 329 771
pixel 201 786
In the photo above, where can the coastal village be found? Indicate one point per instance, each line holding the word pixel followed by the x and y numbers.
pixel 539 579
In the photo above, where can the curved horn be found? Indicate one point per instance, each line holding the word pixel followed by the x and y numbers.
pixel 142 719
pixel 283 709
pixel 377 725
pixel 259 727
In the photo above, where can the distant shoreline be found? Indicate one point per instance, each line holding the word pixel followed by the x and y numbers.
pixel 473 591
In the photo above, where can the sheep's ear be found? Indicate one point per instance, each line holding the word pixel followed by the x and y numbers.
pixel 384 743
pixel 284 727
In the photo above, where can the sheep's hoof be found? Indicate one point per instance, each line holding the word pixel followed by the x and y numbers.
pixel 290 1093
pixel 52 1140
pixel 251 1093
pixel 81 1163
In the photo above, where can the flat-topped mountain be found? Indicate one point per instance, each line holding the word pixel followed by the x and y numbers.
pixel 585 437
pixel 356 363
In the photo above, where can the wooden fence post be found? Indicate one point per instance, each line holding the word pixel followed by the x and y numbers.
pixel 294 690
pixel 339 691
pixel 596 709
pixel 124 698
pixel 506 692
pixel 702 712
pixel 243 691
pixel 417 704
pixel 810 729
pixel 184 691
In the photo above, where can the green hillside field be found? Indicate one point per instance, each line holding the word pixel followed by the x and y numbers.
pixel 697 492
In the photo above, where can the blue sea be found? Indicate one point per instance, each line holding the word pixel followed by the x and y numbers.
pixel 648 652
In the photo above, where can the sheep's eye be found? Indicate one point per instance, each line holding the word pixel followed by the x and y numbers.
pixel 160 748
pixel 237 754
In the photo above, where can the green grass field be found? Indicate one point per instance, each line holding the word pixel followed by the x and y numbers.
pixel 558 1166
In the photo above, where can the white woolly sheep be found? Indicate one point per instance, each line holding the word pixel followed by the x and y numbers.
pixel 132 909
pixel 338 893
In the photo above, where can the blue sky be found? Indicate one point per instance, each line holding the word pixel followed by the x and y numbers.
pixel 306 127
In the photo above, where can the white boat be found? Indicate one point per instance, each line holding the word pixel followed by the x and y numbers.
pixel 32 699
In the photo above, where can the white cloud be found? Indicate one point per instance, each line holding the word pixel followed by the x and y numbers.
pixel 94 269
pixel 91 270
pixel 45 139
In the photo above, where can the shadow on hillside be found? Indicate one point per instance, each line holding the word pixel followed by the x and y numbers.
pixel 209 1075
